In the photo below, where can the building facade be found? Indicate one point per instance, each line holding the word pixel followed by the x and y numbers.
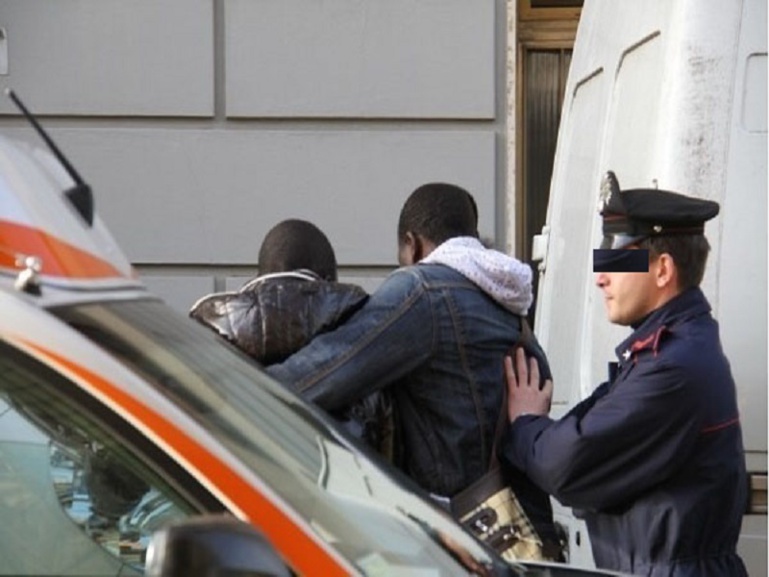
pixel 202 123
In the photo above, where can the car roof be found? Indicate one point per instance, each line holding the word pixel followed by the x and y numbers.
pixel 42 235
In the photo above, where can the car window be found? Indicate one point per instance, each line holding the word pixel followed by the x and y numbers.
pixel 74 499
pixel 366 511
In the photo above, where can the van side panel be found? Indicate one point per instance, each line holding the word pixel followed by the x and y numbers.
pixel 742 275
pixel 741 304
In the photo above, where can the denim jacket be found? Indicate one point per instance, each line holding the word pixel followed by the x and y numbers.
pixel 438 341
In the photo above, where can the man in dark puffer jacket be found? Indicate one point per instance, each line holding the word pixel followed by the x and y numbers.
pixel 295 297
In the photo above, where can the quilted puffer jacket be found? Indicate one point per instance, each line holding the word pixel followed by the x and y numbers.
pixel 275 315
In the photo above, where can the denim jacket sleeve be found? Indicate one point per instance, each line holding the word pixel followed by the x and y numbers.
pixel 391 335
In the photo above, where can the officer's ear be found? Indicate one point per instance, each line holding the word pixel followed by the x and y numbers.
pixel 665 271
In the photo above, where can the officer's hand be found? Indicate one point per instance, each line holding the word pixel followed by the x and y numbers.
pixel 524 396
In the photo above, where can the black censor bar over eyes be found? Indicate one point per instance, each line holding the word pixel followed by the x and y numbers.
pixel 620 260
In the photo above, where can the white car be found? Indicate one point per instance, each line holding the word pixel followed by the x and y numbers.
pixel 159 422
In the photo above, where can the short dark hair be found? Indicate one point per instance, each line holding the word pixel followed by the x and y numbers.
pixel 297 244
pixel 439 211
pixel 688 251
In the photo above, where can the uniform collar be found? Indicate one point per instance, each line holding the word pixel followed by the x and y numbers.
pixel 651 330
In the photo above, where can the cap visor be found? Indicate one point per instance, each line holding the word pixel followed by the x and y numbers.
pixel 619 240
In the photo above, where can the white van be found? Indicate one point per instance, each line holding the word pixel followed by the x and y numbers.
pixel 670 93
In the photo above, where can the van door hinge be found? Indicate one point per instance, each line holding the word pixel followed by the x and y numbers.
pixel 757 504
pixel 3 52
pixel 539 244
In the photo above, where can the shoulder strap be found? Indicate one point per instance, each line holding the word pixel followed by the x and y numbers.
pixel 523 339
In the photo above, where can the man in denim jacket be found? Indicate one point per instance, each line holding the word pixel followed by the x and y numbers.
pixel 436 333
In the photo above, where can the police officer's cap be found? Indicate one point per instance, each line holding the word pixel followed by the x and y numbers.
pixel 634 214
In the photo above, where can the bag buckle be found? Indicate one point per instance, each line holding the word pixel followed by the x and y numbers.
pixel 482 521
pixel 505 537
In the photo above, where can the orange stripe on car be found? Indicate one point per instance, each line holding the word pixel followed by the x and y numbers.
pixel 302 552
pixel 58 257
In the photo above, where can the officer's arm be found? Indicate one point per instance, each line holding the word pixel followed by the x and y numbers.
pixel 611 447
pixel 390 336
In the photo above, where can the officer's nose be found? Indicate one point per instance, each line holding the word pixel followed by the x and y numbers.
pixel 601 279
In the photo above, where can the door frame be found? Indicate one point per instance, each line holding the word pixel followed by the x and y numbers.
pixel 551 28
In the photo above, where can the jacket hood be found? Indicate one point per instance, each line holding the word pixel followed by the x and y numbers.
pixel 504 278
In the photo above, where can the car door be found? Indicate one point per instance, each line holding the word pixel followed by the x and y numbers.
pixel 222 435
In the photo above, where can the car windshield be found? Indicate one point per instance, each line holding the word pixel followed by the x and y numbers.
pixel 374 519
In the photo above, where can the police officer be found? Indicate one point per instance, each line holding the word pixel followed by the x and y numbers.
pixel 653 459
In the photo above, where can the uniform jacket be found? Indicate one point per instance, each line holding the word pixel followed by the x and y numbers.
pixel 654 458
pixel 439 340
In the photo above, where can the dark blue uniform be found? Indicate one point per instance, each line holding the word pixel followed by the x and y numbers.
pixel 654 458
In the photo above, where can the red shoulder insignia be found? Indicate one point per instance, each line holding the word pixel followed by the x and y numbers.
pixel 652 342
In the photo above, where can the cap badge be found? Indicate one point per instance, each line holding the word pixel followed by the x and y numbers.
pixel 609 186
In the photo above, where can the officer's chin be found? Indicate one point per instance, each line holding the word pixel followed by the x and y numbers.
pixel 616 318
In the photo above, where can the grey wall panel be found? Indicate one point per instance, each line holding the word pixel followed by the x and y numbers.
pixel 110 57
pixel 360 58
pixel 180 292
pixel 183 290
pixel 209 196
pixel 233 283
pixel 369 282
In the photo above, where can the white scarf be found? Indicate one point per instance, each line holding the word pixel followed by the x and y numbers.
pixel 504 278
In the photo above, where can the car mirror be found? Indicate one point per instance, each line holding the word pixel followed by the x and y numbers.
pixel 212 545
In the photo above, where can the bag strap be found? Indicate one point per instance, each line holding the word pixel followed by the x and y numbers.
pixel 524 338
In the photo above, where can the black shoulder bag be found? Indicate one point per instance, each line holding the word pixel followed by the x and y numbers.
pixel 489 507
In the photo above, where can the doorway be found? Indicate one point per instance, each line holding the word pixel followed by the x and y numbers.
pixel 545 33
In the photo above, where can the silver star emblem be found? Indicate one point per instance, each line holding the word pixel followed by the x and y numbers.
pixel 609 186
pixel 626 354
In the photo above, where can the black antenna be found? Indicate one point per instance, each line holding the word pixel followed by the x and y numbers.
pixel 79 195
